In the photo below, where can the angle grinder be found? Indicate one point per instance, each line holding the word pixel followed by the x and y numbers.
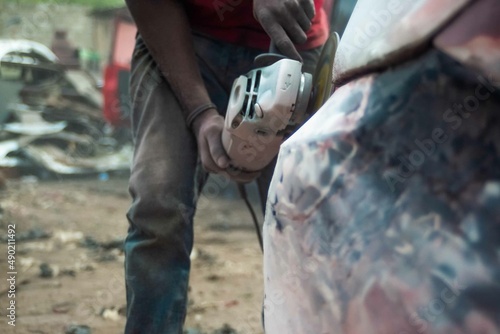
pixel 270 102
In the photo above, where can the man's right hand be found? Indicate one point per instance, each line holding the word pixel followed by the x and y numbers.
pixel 207 128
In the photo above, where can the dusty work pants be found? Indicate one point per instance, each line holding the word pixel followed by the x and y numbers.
pixel 166 180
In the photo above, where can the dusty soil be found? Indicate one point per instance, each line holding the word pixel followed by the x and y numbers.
pixel 69 260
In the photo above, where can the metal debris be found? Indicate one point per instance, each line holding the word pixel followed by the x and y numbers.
pixel 226 329
pixel 90 242
pixel 51 118
pixel 32 234
pixel 48 270
pixel 112 313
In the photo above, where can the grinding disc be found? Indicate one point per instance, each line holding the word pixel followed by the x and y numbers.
pixel 322 78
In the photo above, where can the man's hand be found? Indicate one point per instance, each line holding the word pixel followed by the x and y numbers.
pixel 207 128
pixel 286 22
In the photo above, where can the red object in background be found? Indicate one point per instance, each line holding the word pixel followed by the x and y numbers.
pixel 116 108
pixel 117 72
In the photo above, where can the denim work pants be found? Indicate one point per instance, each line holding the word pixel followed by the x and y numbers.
pixel 166 180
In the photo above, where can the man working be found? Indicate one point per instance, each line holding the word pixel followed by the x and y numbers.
pixel 187 55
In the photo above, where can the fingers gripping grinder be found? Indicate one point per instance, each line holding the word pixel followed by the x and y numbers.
pixel 269 102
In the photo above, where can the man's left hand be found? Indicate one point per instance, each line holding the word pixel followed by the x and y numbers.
pixel 286 22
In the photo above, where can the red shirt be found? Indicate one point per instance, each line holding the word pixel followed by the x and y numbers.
pixel 232 21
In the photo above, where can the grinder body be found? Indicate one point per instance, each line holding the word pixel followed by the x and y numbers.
pixel 265 106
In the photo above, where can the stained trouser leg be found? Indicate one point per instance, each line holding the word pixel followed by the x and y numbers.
pixel 162 186
pixel 165 182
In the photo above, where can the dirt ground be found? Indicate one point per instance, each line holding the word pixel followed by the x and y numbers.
pixel 69 260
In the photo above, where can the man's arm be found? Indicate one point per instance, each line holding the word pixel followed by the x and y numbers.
pixel 165 29
pixel 164 26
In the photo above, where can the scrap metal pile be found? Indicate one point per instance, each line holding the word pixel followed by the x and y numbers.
pixel 51 118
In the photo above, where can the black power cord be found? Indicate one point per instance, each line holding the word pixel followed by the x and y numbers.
pixel 243 194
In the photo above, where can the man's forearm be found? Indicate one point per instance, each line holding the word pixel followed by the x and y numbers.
pixel 165 29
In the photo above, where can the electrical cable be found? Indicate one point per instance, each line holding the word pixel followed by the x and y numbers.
pixel 243 194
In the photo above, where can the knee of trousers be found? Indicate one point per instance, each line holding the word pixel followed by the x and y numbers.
pixel 162 207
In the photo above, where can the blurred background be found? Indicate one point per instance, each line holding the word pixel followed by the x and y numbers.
pixel 64 73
